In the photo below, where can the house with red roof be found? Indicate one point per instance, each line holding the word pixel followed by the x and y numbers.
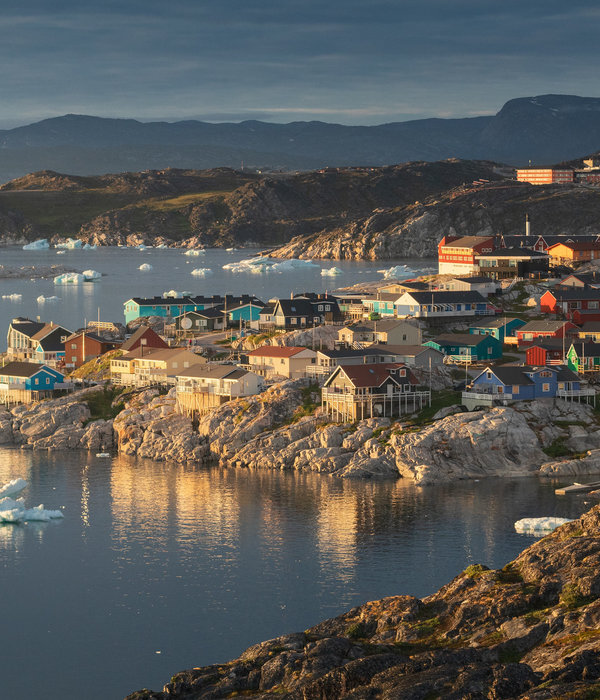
pixel 274 361
pixel 355 392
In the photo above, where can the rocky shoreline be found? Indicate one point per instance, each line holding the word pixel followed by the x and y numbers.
pixel 527 631
pixel 285 429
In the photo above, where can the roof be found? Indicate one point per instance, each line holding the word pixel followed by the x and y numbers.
pixel 404 350
pixel 460 338
pixel 514 253
pixel 576 293
pixel 140 351
pixel 577 245
pixel 495 322
pixel 351 352
pixel 93 336
pixel 141 331
pixel 26 326
pixel 22 369
pixel 547 344
pixel 541 326
pixel 296 307
pixel 214 371
pixel 166 354
pixel 468 241
pixel 53 341
pixel 509 374
pixel 474 280
pixel 381 296
pixel 589 349
pixel 211 312
pixel 590 327
pixel 369 375
pixel 276 351
pixel 267 310
pixel 446 297
pixel 49 328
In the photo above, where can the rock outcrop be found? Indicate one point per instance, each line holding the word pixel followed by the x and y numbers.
pixel 528 631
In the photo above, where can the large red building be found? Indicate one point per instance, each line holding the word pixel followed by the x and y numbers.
pixel 456 254
pixel 83 346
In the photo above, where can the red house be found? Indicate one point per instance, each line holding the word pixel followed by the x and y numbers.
pixel 150 339
pixel 83 346
pixel 566 301
pixel 538 330
pixel 546 352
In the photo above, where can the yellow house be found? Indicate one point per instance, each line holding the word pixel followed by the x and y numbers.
pixel 274 361
pixel 142 367
pixel 573 251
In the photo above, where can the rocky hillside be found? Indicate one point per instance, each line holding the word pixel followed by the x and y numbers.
pixel 415 230
pixel 528 631
pixel 219 207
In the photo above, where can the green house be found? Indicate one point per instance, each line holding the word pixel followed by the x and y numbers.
pixel 584 357
pixel 499 327
pixel 477 348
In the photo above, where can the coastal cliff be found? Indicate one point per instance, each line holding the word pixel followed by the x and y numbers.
pixel 528 631
pixel 284 428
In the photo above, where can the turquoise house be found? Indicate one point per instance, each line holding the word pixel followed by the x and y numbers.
pixel 28 381
pixel 500 327
pixel 138 307
pixel 245 312
pixel 475 348
pixel 382 304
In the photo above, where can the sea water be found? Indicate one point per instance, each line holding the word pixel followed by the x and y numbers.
pixel 158 567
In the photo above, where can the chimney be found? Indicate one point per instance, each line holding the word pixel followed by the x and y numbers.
pixel 527 229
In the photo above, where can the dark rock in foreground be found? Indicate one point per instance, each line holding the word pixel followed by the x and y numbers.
pixel 530 630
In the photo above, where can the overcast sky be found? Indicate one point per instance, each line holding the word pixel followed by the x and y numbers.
pixel 348 61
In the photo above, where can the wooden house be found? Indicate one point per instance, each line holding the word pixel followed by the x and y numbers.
pixel 273 361
pixel 355 392
pixel 584 357
pixel 546 352
pixel 24 382
pixel 144 337
pixel 566 301
pixel 442 305
pixel 467 347
pixel 499 327
pixel 82 346
pixel 538 330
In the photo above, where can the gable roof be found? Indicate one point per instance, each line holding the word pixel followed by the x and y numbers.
pixel 372 375
pixel 214 371
pixel 446 297
pixel 574 294
pixel 496 322
pixel 514 253
pixel 49 328
pixel 25 369
pixel 140 333
pixel 26 326
pixel 276 351
pixel 468 241
pixel 542 326
pixel 461 339
pixel 577 245
pixel 295 307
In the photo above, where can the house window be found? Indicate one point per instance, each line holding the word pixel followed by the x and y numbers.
pixel 490 351
pixel 73 358
pixel 73 346
pixel 282 361
pixel 403 373
pixel 174 365
pixel 320 307
pixel 545 387
pixel 37 381
pixel 488 375
pixel 515 389
pixel 592 304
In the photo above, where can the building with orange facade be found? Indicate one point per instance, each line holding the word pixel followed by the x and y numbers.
pixel 545 176
pixel 574 251
pixel 456 254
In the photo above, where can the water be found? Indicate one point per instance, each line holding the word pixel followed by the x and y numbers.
pixel 171 270
pixel 198 564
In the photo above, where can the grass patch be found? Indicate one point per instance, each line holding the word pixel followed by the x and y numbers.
pixel 439 399
pixel 356 631
pixel 475 570
pixel 509 574
pixel 101 405
pixel 572 598
pixel 557 448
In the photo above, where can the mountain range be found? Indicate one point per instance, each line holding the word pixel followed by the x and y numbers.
pixel 544 129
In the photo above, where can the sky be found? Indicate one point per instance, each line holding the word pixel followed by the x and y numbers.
pixel 345 61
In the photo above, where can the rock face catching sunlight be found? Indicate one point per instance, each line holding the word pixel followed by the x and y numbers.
pixel 529 630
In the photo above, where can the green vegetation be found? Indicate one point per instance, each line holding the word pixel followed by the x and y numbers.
pixel 356 630
pixel 571 597
pixel 101 405
pixel 475 570
pixel 309 404
pixel 557 448
pixel 439 399
pixel 509 574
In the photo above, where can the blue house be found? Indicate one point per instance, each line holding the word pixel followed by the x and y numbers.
pixel 523 383
pixel 247 312
pixel 21 382
pixel 382 303
pixel 500 327
pixel 165 306
pixel 475 348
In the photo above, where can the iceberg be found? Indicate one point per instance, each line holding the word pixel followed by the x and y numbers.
pixel 399 272
pixel 161 246
pixel 173 294
pixel 12 487
pixel 202 272
pixel 47 300
pixel 69 278
pixel 70 244
pixel 91 275
pixel 12 297
pixel 145 267
pixel 195 251
pixel 61 252
pixel 331 272
pixel 539 526
pixel 143 246
pixel 259 265
pixel 88 246
pixel 14 511
pixel 40 244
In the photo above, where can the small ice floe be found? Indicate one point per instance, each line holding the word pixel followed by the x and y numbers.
pixel 539 526
pixel 102 454
pixel 174 294
pixel 262 264
pixel 230 250
pixel 91 275
pixel 61 252
pixel 12 487
pixel 145 267
pixel 40 244
pixel 194 252
pixel 69 278
pixel 202 272
pixel 70 244
pixel 331 272
pixel 161 246
pixel 47 300
pixel 12 297
pixel 398 272
pixel 142 246
pixel 14 511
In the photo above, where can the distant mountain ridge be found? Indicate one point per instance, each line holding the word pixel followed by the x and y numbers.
pixel 544 129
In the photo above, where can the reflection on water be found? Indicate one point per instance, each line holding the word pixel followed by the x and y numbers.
pixel 200 563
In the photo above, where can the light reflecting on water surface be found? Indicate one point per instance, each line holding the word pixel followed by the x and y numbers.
pixel 198 564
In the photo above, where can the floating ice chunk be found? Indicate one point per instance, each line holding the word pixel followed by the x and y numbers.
pixel 102 454
pixel 89 246
pixel 12 511
pixel 61 252
pixel 161 246
pixel 202 272
pixel 145 267
pixel 12 297
pixel 91 275
pixel 331 272
pixel 69 278
pixel 47 300
pixel 70 244
pixel 12 487
pixel 539 526
pixel 173 294
pixel 40 244
pixel 143 246
pixel 195 252
pixel 398 272
pixel 260 264
pixel 230 250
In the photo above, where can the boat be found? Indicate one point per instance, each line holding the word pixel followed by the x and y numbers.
pixel 576 487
